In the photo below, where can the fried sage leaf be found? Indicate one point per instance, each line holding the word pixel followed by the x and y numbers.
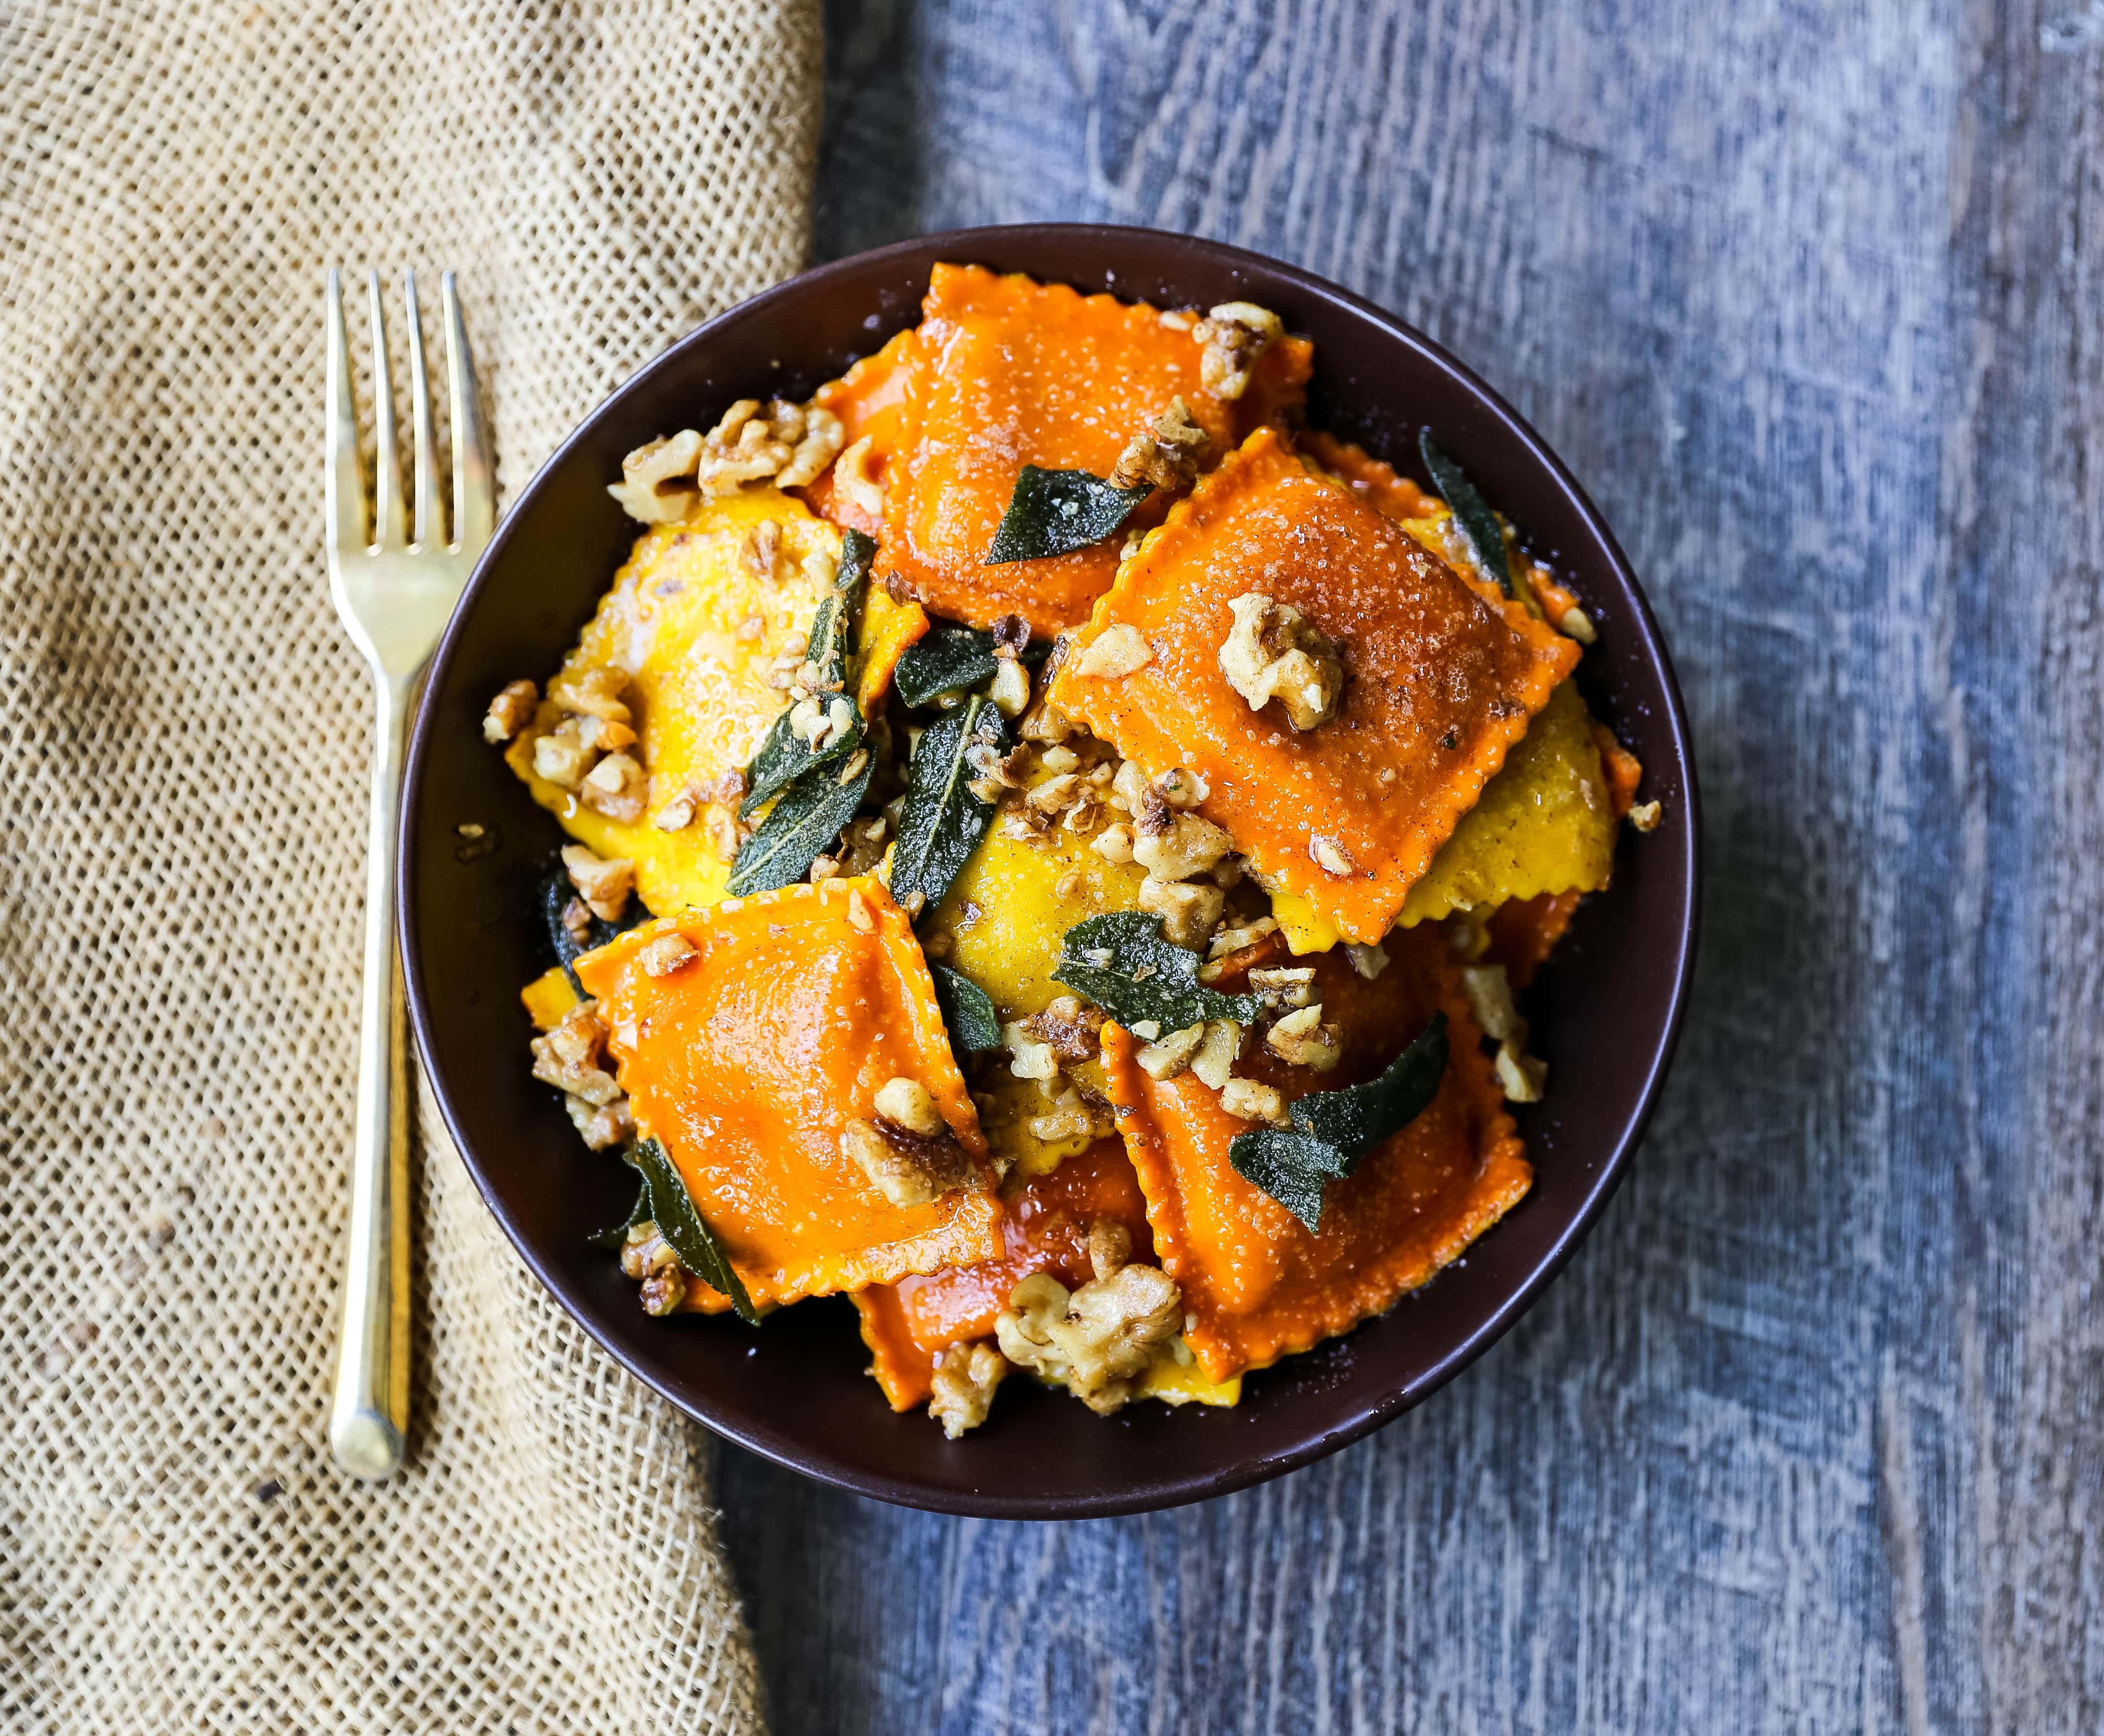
pixel 943 821
pixel 685 1231
pixel 609 1240
pixel 783 756
pixel 968 1011
pixel 557 894
pixel 1478 522
pixel 1055 512
pixel 799 829
pixel 1333 1130
pixel 951 659
pixel 1123 963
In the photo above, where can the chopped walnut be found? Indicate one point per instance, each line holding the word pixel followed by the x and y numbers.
pixel 1011 692
pixel 1368 961
pixel 568 1057
pixel 1490 996
pixel 818 721
pixel 511 711
pixel 906 1103
pixel 604 884
pixel 1231 941
pixel 1273 652
pixel 907 1167
pixel 657 484
pixel 1110 1246
pixel 1235 334
pixel 1168 1055
pixel 667 954
pixel 1072 1116
pixel 1185 846
pixel 1070 1025
pixel 1030 1056
pixel 1117 651
pixel 1189 913
pixel 1168 456
pixel 1248 1100
pixel 1114 843
pixel 1576 624
pixel 1221 1047
pixel 855 482
pixel 763 550
pixel 593 693
pixel 647 1255
pixel 961 1392
pixel 560 757
pixel 663 1290
pixel 1302 1040
pixel 617 787
pixel 1520 1076
pixel 1286 986
pixel 1329 856
pixel 721 828
pixel 858 913
pixel 1045 722
pixel 604 1126
pixel 1645 815
pixel 1096 1340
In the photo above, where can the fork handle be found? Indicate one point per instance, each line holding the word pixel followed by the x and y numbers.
pixel 369 1417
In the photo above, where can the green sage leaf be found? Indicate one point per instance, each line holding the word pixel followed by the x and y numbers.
pixel 609 1240
pixel 1055 512
pixel 1478 522
pixel 1123 963
pixel 805 819
pixel 943 821
pixel 686 1231
pixel 1333 1130
pixel 968 1011
pixel 782 758
pixel 950 659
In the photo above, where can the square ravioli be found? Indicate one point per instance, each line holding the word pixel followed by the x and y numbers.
pixel 1256 1284
pixel 1440 677
pixel 1007 372
pixel 748 1037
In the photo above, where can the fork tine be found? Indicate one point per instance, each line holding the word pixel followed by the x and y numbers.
pixel 344 488
pixel 387 527
pixel 475 481
pixel 424 460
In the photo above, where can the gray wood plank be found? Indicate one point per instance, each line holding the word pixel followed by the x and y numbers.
pixel 1808 1437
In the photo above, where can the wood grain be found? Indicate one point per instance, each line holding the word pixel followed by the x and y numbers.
pixel 1811 1436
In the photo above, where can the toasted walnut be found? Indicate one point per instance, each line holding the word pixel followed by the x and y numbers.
pixel 1490 996
pixel 1645 815
pixel 657 484
pixel 1110 1246
pixel 617 787
pixel 1229 941
pixel 561 757
pixel 1072 1116
pixel 906 1103
pixel 1181 788
pixel 1171 1055
pixel 1189 913
pixel 961 1392
pixel 1096 1340
pixel 721 828
pixel 1248 1100
pixel 604 1126
pixel 1185 846
pixel 1235 334
pixel 1219 1051
pixel 1072 1027
pixel 906 1167
pixel 1273 652
pixel 644 1251
pixel 1010 691
pixel 1011 636
pixel 604 884
pixel 663 1290
pixel 1520 1076
pixel 1287 986
pixel 1117 651
pixel 667 954
pixel 1302 1040
pixel 818 721
pixel 568 1057
pixel 1368 961
pixel 593 693
pixel 1030 1055
pixel 1576 624
pixel 1045 722
pixel 1329 856
pixel 511 711
pixel 1168 456
pixel 855 482
pixel 1114 843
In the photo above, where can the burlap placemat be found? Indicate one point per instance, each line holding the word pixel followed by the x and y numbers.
pixel 183 743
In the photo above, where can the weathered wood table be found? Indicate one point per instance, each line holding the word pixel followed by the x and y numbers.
pixel 1809 1437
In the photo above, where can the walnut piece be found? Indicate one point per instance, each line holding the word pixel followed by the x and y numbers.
pixel 1115 652
pixel 1094 1340
pixel 1273 652
pixel 907 1167
pixel 1219 1051
pixel 1178 846
pixel 568 1056
pixel 1011 692
pixel 1110 1247
pixel 1071 1026
pixel 1189 913
pixel 510 712
pixel 666 954
pixel 962 1392
pixel 1168 456
pixel 604 884
pixel 906 1103
pixel 1235 334
pixel 1286 986
pixel 788 444
pixel 1248 1100
pixel 603 1126
pixel 1331 855
pixel 1490 996
pixel 1520 1076
pixel 1645 815
pixel 657 484
pixel 1171 1055
pixel 1303 1040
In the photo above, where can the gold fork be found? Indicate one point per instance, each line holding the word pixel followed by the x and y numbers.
pixel 394 595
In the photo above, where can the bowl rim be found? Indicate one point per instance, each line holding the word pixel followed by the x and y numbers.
pixel 814 1462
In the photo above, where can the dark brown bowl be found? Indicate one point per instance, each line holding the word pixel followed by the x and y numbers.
pixel 1606 1014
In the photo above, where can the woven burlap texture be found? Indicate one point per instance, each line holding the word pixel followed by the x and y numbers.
pixel 183 753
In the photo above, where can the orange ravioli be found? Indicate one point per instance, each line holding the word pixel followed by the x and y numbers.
pixel 1009 372
pixel 748 1061
pixel 1256 1284
pixel 906 1325
pixel 1441 678
pixel 870 400
pixel 1623 769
